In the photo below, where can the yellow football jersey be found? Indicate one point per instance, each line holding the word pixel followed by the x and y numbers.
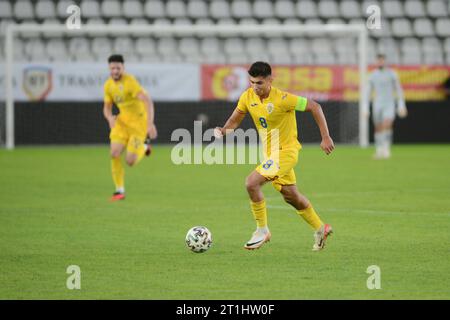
pixel 276 112
pixel 123 93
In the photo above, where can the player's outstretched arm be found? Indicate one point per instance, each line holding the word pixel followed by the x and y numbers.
pixel 107 113
pixel 151 128
pixel 232 123
pixel 327 143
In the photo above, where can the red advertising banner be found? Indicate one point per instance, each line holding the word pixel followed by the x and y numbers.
pixel 341 83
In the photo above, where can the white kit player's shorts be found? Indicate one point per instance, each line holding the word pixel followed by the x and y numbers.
pixel 382 114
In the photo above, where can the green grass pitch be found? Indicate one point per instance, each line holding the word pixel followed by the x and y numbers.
pixel 55 212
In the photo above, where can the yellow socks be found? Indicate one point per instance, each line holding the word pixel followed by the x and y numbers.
pixel 260 213
pixel 117 172
pixel 311 217
pixel 140 154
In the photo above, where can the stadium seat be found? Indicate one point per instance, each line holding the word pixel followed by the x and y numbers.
pixel 241 9
pixel 56 50
pixel 411 58
pixel 328 9
pixel 258 56
pixel 277 46
pixel 45 9
pixel 61 8
pixel 431 44
pixel 410 44
pixel 79 49
pixel 284 9
pixel 154 9
pixel 145 46
pixel 335 21
pixel 321 45
pixel 226 21
pixel 35 50
pixel 23 9
pixel 401 27
pixel 251 21
pixel 344 45
pixel 436 8
pixel 117 22
pixel 236 58
pixel 162 21
pixel 299 46
pixel 392 9
pixel 189 46
pixel 133 9
pixel 254 44
pixel 271 21
pixel 182 22
pixel 384 31
pixel 204 21
pixel 447 45
pixel 433 58
pixel 233 46
pixel 19 50
pixel 111 8
pixel 52 34
pixel 423 27
pixel 347 58
pixel 366 4
pixel 215 59
pixel 414 9
pixel 166 46
pixel 281 58
pixel 124 46
pixel 101 48
pixel 176 9
pixel 303 59
pixel 263 9
pixel 139 21
pixel 306 9
pixel 210 46
pixel 447 59
pixel 292 21
pixel 219 9
pixel 350 9
pixel 197 9
pixel 443 27
pixel 324 58
pixel 90 9
pixel 5 10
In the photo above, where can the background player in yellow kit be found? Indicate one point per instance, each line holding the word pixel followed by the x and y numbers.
pixel 273 112
pixel 133 127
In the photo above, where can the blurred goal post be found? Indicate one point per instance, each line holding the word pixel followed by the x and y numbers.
pixel 358 31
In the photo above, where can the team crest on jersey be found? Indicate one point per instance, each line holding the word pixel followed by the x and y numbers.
pixel 270 107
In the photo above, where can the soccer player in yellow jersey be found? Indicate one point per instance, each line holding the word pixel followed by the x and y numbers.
pixel 273 112
pixel 133 128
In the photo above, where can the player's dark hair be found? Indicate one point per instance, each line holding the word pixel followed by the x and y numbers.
pixel 381 56
pixel 116 58
pixel 260 69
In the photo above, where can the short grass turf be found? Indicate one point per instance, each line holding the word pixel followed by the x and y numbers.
pixel 55 212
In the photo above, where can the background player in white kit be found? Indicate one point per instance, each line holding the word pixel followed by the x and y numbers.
pixel 386 86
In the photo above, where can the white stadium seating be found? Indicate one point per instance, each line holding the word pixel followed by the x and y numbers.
pixel 412 31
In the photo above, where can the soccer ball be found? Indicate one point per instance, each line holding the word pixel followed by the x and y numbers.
pixel 198 239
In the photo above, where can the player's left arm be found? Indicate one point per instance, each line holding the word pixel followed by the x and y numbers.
pixel 312 106
pixel 149 105
pixel 401 107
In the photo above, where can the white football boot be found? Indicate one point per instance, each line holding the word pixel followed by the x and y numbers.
pixel 257 240
pixel 320 236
